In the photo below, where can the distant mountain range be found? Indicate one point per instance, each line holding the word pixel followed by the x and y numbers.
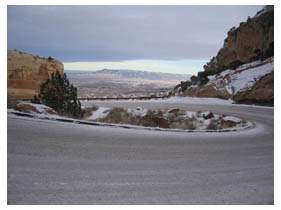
pixel 133 74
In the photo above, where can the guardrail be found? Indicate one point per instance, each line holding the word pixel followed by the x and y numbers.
pixel 114 98
pixel 122 98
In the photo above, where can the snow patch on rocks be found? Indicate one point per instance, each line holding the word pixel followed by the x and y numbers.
pixel 234 119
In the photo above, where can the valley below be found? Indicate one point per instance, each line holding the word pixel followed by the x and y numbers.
pixel 123 83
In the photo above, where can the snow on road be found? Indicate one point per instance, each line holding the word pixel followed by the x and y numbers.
pixel 175 99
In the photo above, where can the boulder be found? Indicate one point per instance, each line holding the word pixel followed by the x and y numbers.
pixel 161 122
pixel 174 111
pixel 33 108
pixel 228 123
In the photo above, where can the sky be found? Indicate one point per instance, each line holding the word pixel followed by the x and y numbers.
pixel 175 39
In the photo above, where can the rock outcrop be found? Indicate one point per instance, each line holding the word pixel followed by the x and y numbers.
pixel 26 73
pixel 252 40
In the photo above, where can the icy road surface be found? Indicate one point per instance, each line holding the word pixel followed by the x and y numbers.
pixel 62 163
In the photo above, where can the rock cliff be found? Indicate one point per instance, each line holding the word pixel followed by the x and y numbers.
pixel 252 40
pixel 26 73
pixel 243 69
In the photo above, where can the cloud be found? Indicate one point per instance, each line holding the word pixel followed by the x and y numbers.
pixel 122 33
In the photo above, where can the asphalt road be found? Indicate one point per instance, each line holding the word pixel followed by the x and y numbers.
pixel 63 163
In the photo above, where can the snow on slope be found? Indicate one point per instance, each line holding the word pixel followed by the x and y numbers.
pixel 100 113
pixel 243 78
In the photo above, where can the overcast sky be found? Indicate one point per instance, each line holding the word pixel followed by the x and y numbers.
pixel 154 38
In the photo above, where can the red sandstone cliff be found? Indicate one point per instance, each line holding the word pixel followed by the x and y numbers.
pixel 26 73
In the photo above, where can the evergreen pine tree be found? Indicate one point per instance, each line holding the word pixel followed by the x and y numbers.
pixel 58 94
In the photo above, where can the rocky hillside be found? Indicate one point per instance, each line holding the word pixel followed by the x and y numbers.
pixel 243 69
pixel 252 40
pixel 249 83
pixel 26 73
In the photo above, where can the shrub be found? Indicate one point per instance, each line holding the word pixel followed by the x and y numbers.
pixel 172 117
pixel 177 86
pixel 213 125
pixel 185 85
pixel 50 58
pixel 159 113
pixel 119 116
pixel 203 81
pixel 147 121
pixel 202 77
pixel 193 80
pixel 187 124
pixel 89 111
pixel 150 113
pixel 244 122
pixel 235 64
pixel 191 125
pixel 198 114
pixel 227 124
